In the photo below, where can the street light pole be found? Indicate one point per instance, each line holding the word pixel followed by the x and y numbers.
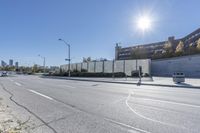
pixel 44 63
pixel 69 58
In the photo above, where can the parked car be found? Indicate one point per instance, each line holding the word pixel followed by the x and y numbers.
pixel 178 77
pixel 3 73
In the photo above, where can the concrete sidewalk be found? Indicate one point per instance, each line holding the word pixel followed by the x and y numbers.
pixel 155 81
pixel 189 82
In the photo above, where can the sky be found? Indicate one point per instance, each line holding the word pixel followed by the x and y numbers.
pixel 92 27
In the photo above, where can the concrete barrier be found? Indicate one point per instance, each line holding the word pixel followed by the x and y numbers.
pixel 119 66
pixel 85 66
pixel 145 64
pixel 126 66
pixel 79 65
pixel 73 67
pixel 130 65
pixel 91 67
pixel 108 66
pixel 189 65
pixel 99 67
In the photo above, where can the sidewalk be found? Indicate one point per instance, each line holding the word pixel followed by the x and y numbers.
pixel 155 81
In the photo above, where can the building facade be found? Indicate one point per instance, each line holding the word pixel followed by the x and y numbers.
pixel 159 49
pixel 3 63
pixel 11 62
pixel 16 65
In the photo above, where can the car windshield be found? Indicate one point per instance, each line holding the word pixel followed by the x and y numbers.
pixel 99 66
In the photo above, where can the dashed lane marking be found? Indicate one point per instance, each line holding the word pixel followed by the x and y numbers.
pixel 18 84
pixel 128 126
pixel 45 96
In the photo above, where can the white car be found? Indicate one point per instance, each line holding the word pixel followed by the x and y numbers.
pixel 3 73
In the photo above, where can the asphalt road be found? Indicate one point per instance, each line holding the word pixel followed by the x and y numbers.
pixel 64 106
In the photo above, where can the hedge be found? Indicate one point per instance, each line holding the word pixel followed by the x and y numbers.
pixel 87 74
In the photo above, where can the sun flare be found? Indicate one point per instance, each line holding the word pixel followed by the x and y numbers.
pixel 144 23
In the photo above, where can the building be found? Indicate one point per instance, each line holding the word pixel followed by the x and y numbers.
pixel 158 49
pixel 16 65
pixel 10 62
pixel 3 63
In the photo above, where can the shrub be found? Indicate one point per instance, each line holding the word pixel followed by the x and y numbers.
pixel 87 74
pixel 146 75
pixel 83 70
pixel 119 74
pixel 135 73
pixel 75 71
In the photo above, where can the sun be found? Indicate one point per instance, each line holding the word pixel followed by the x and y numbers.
pixel 144 23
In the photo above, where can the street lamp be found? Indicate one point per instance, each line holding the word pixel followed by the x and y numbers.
pixel 69 58
pixel 44 62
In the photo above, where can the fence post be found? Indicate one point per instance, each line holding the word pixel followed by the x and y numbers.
pixel 67 69
pixel 113 68
pixel 124 67
pixel 103 66
pixel 94 66
pixel 87 66
pixel 136 64
pixel 81 66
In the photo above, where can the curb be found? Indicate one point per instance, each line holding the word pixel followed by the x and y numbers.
pixel 147 84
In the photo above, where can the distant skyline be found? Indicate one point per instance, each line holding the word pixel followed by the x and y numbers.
pixel 92 27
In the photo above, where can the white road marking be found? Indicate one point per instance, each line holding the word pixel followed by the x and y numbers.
pixel 171 102
pixel 18 84
pixel 128 126
pixel 67 86
pixel 41 94
pixel 147 118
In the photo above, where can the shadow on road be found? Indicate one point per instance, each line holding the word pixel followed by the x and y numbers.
pixel 184 84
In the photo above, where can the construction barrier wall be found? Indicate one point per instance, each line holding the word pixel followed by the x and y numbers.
pixel 126 66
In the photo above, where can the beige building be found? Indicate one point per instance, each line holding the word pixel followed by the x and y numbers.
pixel 148 51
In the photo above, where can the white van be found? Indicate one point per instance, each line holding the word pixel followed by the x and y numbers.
pixel 178 77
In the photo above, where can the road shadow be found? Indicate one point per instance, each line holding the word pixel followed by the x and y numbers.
pixel 184 84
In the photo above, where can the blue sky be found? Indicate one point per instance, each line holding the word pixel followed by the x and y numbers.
pixel 92 27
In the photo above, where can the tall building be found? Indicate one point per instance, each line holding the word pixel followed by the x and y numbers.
pixel 3 63
pixel 10 62
pixel 16 65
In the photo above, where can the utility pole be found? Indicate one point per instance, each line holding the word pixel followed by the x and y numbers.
pixel 44 63
pixel 69 58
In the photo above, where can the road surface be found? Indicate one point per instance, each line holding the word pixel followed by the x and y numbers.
pixel 64 106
